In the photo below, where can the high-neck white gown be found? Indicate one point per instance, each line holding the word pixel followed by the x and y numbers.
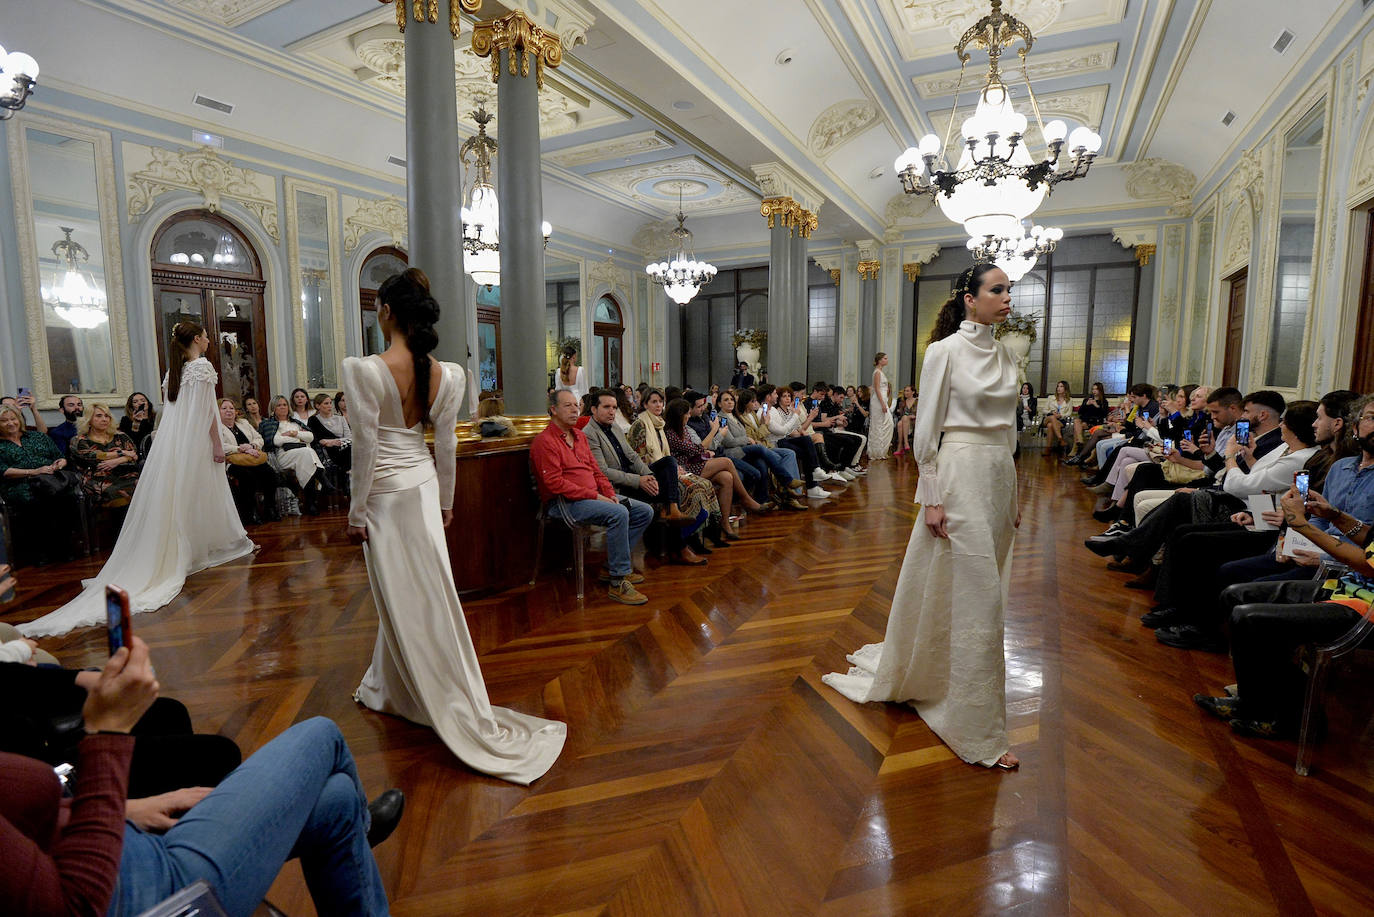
pixel 943 652
pixel 424 666
pixel 879 418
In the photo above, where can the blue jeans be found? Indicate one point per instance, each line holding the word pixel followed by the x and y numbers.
pixel 786 463
pixel 624 527
pixel 299 796
pixel 767 462
pixel 1106 447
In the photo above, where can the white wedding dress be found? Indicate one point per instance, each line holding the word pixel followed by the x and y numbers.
pixel 879 418
pixel 942 652
pixel 424 666
pixel 181 519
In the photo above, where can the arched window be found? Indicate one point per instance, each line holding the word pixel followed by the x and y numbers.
pixel 377 267
pixel 609 328
pixel 206 271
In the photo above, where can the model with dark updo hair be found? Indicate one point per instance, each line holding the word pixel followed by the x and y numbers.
pixel 943 651
pixel 424 666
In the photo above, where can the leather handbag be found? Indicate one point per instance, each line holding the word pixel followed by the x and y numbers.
pixel 244 460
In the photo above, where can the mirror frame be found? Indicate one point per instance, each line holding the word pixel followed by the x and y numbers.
pixel 107 205
pixel 293 254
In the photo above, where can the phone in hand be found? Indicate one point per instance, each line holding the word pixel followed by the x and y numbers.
pixel 1187 436
pixel 1168 447
pixel 1301 480
pixel 1243 432
pixel 118 627
pixel 25 392
pixel 1145 416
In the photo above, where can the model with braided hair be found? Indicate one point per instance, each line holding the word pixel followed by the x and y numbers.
pixel 942 652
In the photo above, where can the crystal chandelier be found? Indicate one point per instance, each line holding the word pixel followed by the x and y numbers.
pixel 681 276
pixel 1017 255
pixel 73 293
pixel 996 183
pixel 18 76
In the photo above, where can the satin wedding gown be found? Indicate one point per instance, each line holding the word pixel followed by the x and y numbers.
pixel 943 649
pixel 424 666
pixel 879 418
pixel 181 519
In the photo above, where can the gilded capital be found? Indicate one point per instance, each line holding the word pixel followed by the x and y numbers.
pixel 807 223
pixel 428 11
pixel 912 271
pixel 1143 253
pixel 868 270
pixel 519 36
pixel 782 209
pixel 835 275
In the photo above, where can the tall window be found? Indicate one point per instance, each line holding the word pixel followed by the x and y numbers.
pixel 822 355
pixel 734 299
pixel 379 265
pixel 610 339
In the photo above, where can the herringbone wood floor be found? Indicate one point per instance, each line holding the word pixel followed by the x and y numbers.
pixel 708 771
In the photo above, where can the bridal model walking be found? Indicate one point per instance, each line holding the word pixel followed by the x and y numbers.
pixel 182 517
pixel 424 666
pixel 942 652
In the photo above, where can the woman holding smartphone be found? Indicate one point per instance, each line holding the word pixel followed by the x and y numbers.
pixel 182 517
pixel 139 419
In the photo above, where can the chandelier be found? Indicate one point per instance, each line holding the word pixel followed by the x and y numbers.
pixel 73 293
pixel 996 184
pixel 1016 255
pixel 681 276
pixel 18 76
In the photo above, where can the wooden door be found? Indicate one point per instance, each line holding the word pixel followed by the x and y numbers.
pixel 1362 371
pixel 1235 328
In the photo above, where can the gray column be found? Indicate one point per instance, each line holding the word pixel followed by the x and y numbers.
pixel 800 321
pixel 780 360
pixel 519 187
pixel 868 325
pixel 434 182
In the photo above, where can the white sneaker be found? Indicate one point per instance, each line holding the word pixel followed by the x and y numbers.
pixel 847 474
pixel 818 475
pixel 815 493
pixel 836 477
pixel 857 470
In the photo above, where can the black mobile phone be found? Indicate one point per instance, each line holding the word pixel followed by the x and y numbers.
pixel 118 627
pixel 1243 432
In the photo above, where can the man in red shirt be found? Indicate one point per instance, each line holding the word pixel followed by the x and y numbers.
pixel 568 475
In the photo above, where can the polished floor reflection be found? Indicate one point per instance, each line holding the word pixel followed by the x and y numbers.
pixel 708 771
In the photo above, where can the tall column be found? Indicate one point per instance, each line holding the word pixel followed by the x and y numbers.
pixel 781 358
pixel 800 327
pixel 434 182
pixel 869 304
pixel 511 42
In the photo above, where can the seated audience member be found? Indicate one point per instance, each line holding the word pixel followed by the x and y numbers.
pixel 857 410
pixel 300 406
pixel 1271 473
pixel 566 473
pixel 298 795
pixel 1146 412
pixel 289 452
pixel 671 393
pixel 713 396
pixel 735 444
pixel 491 416
pixel 139 419
pixel 631 477
pixel 624 408
pixel 1177 426
pixel 25 402
pixel 787 429
pixel 251 478
pixel 35 482
pixel 1181 466
pixel 1058 418
pixel 1027 407
pixel 106 459
pixel 1198 567
pixel 341 405
pixel 1271 621
pixel 584 415
pixel 72 409
pixel 332 434
pixel 742 378
pixel 252 412
pixel 717 469
pixel 1091 413
pixel 843 445
pixel 905 418
pixel 648 439
pixel 706 427
pixel 747 415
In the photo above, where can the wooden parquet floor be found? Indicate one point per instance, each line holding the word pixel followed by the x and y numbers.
pixel 708 770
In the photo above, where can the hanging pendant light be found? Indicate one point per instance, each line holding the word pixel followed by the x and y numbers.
pixel 682 275
pixel 72 291
pixel 481 214
pixel 1016 255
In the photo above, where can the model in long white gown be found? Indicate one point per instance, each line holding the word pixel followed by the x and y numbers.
pixel 181 519
pixel 879 417
pixel 942 652
pixel 424 666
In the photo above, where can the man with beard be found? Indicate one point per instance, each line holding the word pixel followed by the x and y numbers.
pixel 62 434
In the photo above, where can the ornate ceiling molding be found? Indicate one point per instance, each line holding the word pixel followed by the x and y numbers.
pixel 1248 175
pixel 1154 179
pixel 228 13
pixel 839 123
pixel 637 184
pixel 927 28
pixel 609 273
pixel 1135 236
pixel 388 215
pixel 655 236
pixel 777 180
pixel 1040 65
pixel 605 151
pixel 1077 106
pixel 906 210
pixel 151 172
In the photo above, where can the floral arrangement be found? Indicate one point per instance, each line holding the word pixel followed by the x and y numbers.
pixel 1017 323
pixel 574 342
pixel 754 336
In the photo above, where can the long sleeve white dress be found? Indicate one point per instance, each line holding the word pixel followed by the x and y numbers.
pixel 181 519
pixel 424 666
pixel 943 652
pixel 879 417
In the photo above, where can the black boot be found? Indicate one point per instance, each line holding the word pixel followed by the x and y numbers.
pixel 310 496
pixel 824 459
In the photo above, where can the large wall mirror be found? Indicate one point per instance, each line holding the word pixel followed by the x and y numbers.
pixel 71 273
pixel 562 310
pixel 1302 157
pixel 1200 296
pixel 381 264
pixel 313 247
